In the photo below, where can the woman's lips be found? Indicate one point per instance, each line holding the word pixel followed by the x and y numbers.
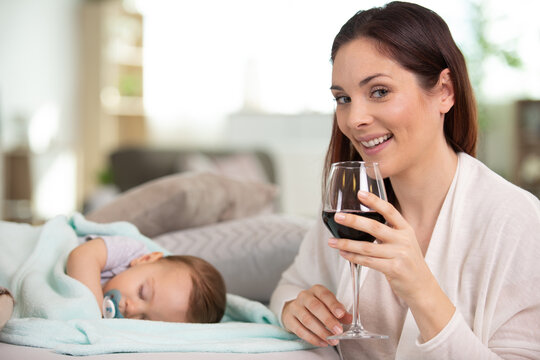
pixel 375 144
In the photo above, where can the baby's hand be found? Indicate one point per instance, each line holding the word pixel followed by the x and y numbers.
pixel 6 306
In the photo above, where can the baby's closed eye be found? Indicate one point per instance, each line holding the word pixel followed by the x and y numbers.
pixel 141 292
pixel 146 290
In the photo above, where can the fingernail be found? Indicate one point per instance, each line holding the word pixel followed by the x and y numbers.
pixel 339 216
pixel 337 330
pixel 333 342
pixel 339 313
pixel 362 194
pixel 332 241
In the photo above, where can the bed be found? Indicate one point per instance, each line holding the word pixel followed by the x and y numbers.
pixel 231 223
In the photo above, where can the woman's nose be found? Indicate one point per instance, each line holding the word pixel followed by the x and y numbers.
pixel 359 115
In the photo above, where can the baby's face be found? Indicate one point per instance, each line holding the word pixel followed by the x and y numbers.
pixel 153 290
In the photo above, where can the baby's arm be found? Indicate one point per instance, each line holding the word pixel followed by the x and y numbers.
pixel 85 263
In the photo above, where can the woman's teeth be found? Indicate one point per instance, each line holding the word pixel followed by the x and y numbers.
pixel 374 142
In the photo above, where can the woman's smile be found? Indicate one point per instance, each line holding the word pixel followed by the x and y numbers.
pixel 375 141
pixel 374 144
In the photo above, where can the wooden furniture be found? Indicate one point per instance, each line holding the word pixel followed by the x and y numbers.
pixel 112 87
pixel 17 186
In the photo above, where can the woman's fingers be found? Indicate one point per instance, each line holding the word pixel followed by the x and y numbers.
pixel 295 326
pixel 379 230
pixel 384 208
pixel 320 311
pixel 372 255
pixel 386 233
pixel 365 248
pixel 379 264
pixel 306 325
pixel 314 315
pixel 330 302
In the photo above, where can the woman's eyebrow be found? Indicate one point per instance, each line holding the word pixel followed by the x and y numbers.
pixel 369 78
pixel 362 82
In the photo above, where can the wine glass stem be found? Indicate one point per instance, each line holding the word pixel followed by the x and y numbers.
pixel 356 270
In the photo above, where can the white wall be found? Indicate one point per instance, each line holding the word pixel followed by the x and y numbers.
pixel 38 83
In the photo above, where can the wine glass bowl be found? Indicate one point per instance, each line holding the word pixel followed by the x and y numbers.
pixel 344 181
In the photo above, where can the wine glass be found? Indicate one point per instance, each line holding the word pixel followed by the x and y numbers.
pixel 344 181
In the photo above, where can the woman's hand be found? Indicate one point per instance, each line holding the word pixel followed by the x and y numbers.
pixel 314 315
pixel 399 257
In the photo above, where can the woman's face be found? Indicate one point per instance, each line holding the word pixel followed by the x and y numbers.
pixel 153 290
pixel 382 109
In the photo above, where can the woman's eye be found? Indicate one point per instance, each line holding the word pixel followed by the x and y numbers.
pixel 343 99
pixel 379 93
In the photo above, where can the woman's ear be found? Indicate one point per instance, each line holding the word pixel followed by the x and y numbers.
pixel 446 88
pixel 147 258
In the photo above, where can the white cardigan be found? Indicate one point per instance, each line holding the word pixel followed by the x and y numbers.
pixel 485 254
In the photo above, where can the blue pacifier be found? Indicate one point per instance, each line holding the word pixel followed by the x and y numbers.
pixel 111 299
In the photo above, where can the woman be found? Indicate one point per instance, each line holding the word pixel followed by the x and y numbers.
pixel 451 273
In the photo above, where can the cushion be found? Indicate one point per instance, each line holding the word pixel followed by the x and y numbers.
pixel 241 166
pixel 250 253
pixel 186 200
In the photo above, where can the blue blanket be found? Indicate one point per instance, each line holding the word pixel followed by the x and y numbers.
pixel 56 311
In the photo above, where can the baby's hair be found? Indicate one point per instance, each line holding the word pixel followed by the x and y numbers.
pixel 208 294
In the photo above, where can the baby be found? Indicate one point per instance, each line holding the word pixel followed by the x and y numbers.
pixel 147 285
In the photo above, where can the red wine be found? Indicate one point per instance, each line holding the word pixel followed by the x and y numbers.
pixel 344 232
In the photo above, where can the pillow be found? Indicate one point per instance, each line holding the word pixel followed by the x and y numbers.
pixel 242 166
pixel 186 200
pixel 250 253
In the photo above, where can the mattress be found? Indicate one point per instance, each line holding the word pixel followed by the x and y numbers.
pixel 16 352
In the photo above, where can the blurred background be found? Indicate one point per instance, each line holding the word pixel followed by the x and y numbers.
pixel 91 90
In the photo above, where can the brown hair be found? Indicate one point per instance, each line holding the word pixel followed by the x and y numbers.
pixel 208 294
pixel 420 41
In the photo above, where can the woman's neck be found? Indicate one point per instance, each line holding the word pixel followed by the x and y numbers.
pixel 421 191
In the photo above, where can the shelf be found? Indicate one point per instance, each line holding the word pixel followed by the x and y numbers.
pixel 125 106
pixel 124 54
pixel 112 97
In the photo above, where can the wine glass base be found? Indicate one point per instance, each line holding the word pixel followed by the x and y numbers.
pixel 354 334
